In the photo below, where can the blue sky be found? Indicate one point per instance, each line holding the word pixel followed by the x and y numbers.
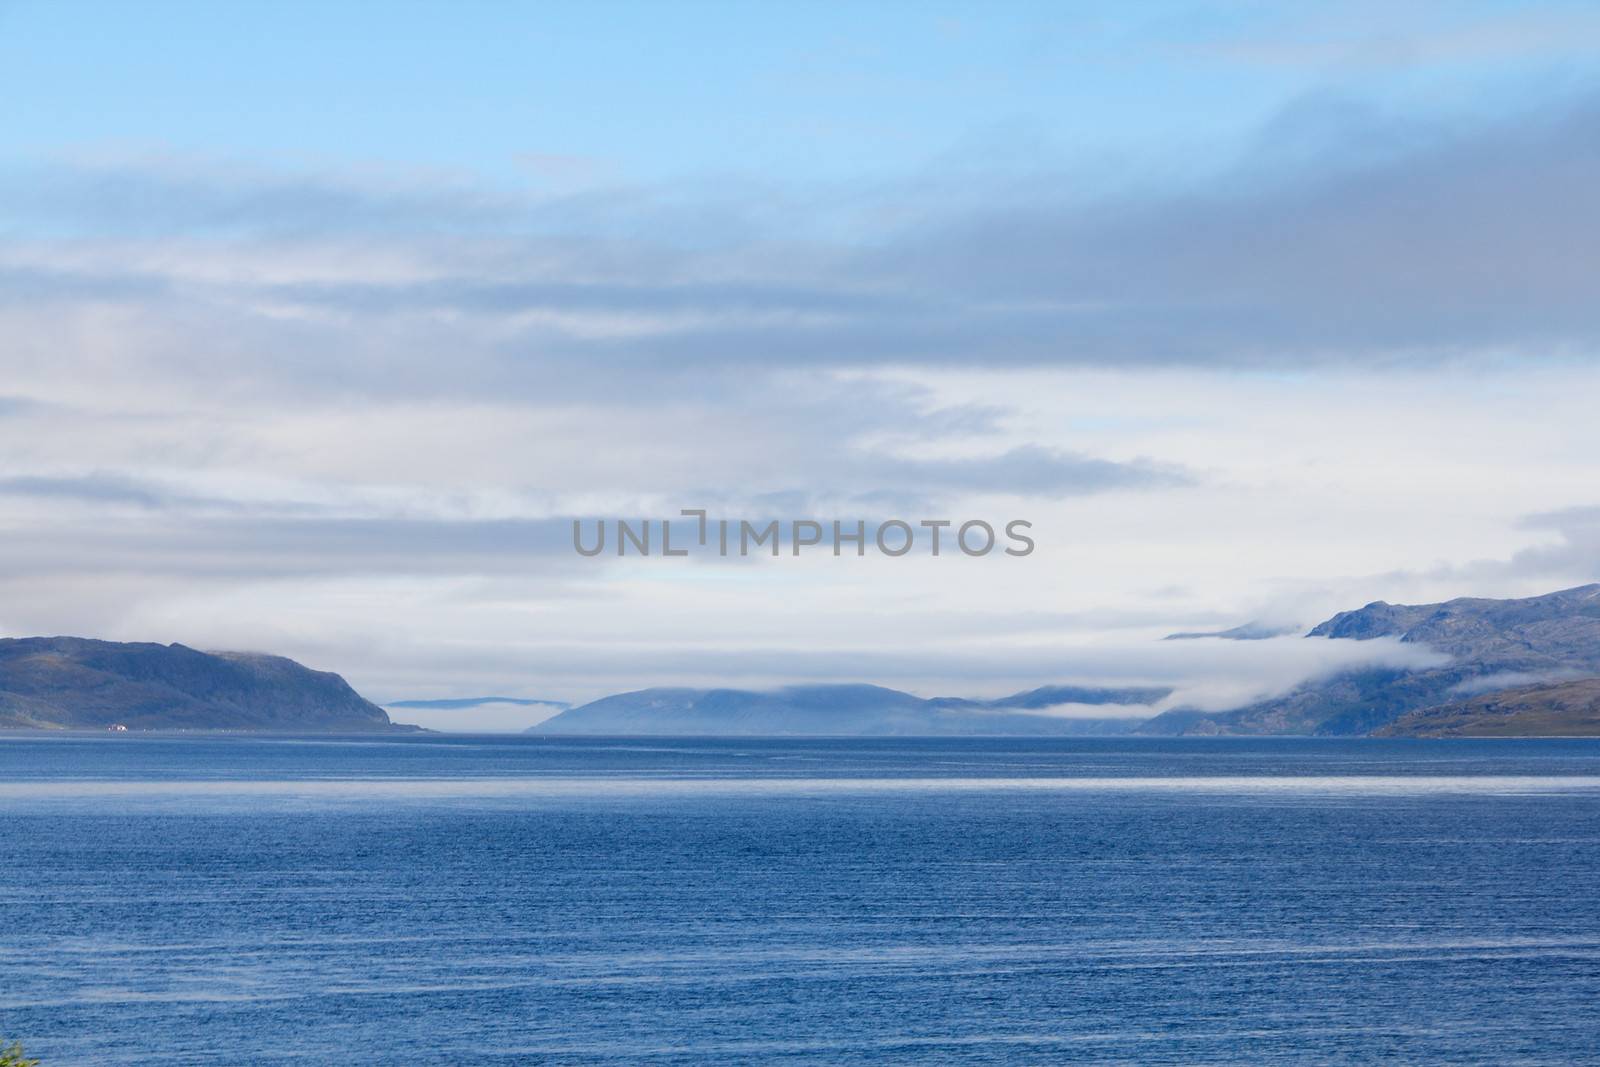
pixel 637 92
pixel 319 323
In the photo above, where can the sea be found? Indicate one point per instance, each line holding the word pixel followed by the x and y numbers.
pixel 519 900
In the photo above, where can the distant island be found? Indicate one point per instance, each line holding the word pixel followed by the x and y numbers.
pixel 861 710
pixel 59 683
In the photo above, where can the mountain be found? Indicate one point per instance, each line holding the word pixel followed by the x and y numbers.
pixel 1552 631
pixel 1250 631
pixel 76 683
pixel 457 703
pixel 1562 709
pixel 835 710
pixel 1555 635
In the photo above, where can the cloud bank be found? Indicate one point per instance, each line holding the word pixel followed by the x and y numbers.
pixel 349 415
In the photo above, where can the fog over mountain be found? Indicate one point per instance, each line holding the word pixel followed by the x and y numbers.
pixel 837 710
pixel 1250 631
pixel 1492 645
pixel 1481 666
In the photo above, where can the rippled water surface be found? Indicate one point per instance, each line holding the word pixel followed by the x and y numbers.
pixel 518 900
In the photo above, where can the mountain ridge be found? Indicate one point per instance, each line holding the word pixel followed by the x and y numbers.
pixel 55 683
pixel 1250 631
pixel 845 710
pixel 1552 634
pixel 457 703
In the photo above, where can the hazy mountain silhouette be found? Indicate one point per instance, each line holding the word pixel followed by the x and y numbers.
pixel 73 682
pixel 845 710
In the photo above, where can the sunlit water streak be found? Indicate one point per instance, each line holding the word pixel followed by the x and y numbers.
pixel 672 785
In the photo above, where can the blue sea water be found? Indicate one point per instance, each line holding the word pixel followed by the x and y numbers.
pixel 520 900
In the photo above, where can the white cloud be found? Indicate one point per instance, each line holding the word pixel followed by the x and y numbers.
pixel 347 422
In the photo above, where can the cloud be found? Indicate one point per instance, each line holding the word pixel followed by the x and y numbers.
pixel 1473 241
pixel 157 193
pixel 95 488
pixel 31 285
pixel 280 547
pixel 1575 555
pixel 1571 559
pixel 1344 237
pixel 350 415
pixel 1033 471
pixel 1085 711
pixel 1358 36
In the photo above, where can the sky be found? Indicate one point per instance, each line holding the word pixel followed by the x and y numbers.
pixel 319 325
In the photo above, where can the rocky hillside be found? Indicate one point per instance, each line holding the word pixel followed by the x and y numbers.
pixel 1555 635
pixel 1562 709
pixel 839 710
pixel 75 683
pixel 1552 631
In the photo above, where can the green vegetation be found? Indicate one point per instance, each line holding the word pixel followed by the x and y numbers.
pixel 12 1056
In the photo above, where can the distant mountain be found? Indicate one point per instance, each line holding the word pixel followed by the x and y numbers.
pixel 837 710
pixel 76 683
pixel 1552 631
pixel 1250 631
pixel 1562 709
pixel 455 703
pixel 1557 634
